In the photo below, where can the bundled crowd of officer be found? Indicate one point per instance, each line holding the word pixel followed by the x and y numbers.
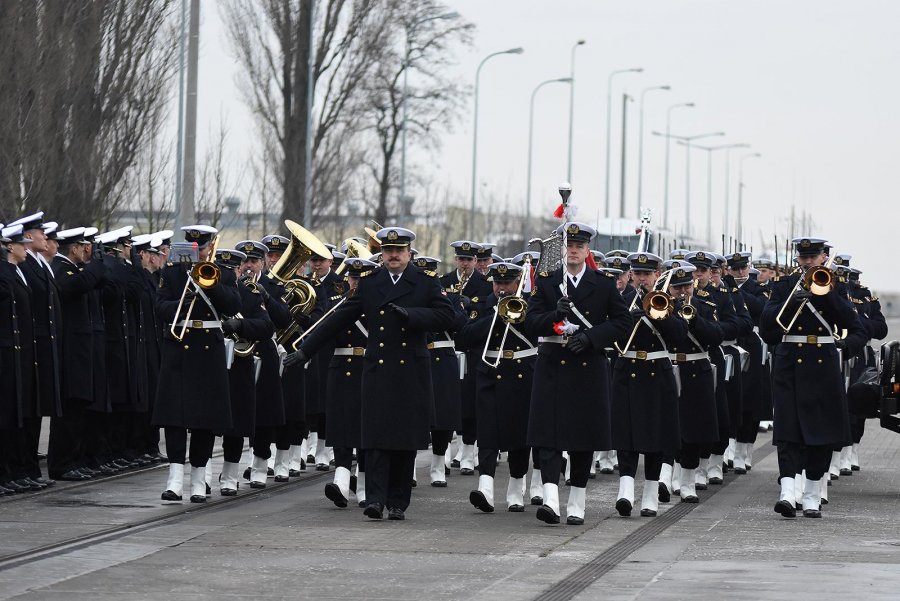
pixel 585 366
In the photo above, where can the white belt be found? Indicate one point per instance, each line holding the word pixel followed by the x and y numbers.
pixel 553 339
pixel 808 339
pixel 684 357
pixel 645 356
pixel 354 351
pixel 511 354
pixel 196 324
pixel 441 344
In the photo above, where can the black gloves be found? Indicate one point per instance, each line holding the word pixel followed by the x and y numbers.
pixel 230 326
pixel 400 311
pixel 638 311
pixel 802 293
pixel 263 293
pixel 563 308
pixel 465 301
pixel 841 344
pixel 579 343
pixel 730 282
pixel 298 357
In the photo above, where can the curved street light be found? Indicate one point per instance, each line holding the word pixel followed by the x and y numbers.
pixel 531 139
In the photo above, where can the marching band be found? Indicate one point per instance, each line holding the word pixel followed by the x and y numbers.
pixel 570 360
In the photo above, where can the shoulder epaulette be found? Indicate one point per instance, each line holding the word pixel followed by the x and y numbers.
pixel 429 273
pixel 723 289
pixel 703 293
pixel 544 274
pixel 366 273
pixel 474 299
pixel 710 303
pixel 608 274
pixel 858 301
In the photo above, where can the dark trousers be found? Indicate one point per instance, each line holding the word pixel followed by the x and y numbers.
pixel 469 433
pixel 31 435
pixel 748 430
pixel 232 448
pixel 440 440
pixel 343 457
pixel 389 477
pixel 689 456
pixel 291 433
pixel 518 462
pixel 551 465
pixel 201 445
pixel 263 437
pixel 794 457
pixel 65 450
pixel 628 462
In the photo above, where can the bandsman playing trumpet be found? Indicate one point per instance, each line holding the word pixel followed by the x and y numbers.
pixel 807 382
pixel 644 387
pixel 570 395
pixel 697 402
pixel 251 326
pixel 193 392
pixel 503 383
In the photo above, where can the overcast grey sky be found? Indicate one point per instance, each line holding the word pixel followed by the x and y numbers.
pixel 812 85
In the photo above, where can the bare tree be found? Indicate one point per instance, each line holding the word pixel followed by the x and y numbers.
pixel 83 85
pixel 219 181
pixel 270 39
pixel 422 49
pixel 149 187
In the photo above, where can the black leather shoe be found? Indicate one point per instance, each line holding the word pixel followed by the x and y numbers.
pixel 321 467
pixel 690 499
pixel 362 504
pixel 108 469
pixel 477 498
pixel 311 459
pixel 700 486
pixel 270 471
pixel 854 468
pixel 396 514
pixel 786 509
pixel 29 484
pixel 87 474
pixel 6 491
pixel 740 471
pixel 294 473
pixel 547 515
pixel 592 476
pixel 846 472
pixel 535 500
pixel 257 484
pixel 439 484
pixel 208 490
pixel 663 493
pixel 73 476
pixel 121 464
pixel 465 471
pixel 170 496
pixel 648 513
pixel 454 463
pixel 715 481
pixel 824 501
pixel 228 492
pixel 812 513
pixel 568 482
pixel 87 471
pixel 13 486
pixel 198 498
pixel 333 494
pixel 574 521
pixel 515 508
pixel 246 474
pixel 282 478
pixel 606 470
pixel 623 506
pixel 374 511
pixel 413 483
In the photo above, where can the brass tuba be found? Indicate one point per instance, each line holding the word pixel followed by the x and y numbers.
pixel 355 250
pixel 299 294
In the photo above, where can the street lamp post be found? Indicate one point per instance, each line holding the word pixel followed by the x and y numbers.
pixel 450 15
pixel 686 141
pixel 609 125
pixel 572 105
pixel 470 230
pixel 709 150
pixel 668 133
pixel 740 206
pixel 641 146
pixel 531 139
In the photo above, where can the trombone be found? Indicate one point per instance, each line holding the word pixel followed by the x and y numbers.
pixel 657 305
pixel 818 280
pixel 511 310
pixel 203 276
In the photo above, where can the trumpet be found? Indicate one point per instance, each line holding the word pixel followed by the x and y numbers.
pixel 687 311
pixel 203 276
pixel 818 280
pixel 511 310
pixel 459 286
pixel 242 348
